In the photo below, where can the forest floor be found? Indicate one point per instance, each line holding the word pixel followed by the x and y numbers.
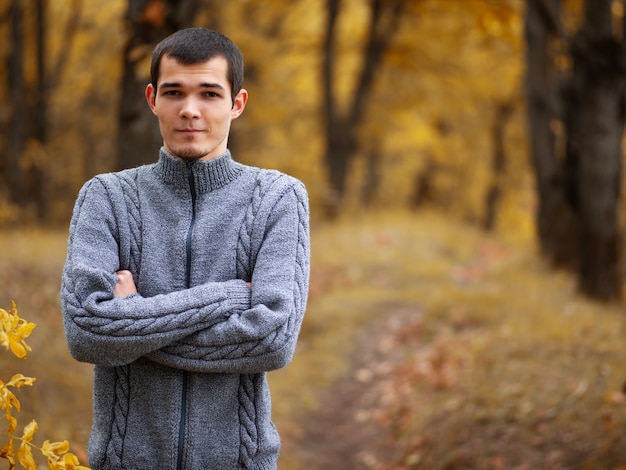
pixel 431 345
pixel 427 344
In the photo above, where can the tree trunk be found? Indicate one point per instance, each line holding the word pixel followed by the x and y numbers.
pixel 40 115
pixel 17 93
pixel 372 173
pixel 342 128
pixel 334 157
pixel 148 21
pixel 595 129
pixel 556 223
pixel 498 164
pixel 579 182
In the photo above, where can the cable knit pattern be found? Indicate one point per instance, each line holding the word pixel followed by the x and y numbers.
pixel 247 418
pixel 245 258
pixel 250 225
pixel 129 189
pixel 120 415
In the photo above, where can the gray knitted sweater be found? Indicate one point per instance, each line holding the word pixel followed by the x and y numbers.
pixel 180 367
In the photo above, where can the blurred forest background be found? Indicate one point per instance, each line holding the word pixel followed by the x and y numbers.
pixel 370 103
pixel 504 113
pixel 494 128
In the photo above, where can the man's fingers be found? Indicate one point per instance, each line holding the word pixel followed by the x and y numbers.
pixel 125 285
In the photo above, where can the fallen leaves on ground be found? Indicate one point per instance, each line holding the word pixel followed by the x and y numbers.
pixel 471 354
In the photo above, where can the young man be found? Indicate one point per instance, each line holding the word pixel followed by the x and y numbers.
pixel 186 280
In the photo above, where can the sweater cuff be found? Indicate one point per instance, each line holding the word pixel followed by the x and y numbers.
pixel 238 294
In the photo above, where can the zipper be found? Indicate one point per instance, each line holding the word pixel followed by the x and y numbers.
pixel 183 413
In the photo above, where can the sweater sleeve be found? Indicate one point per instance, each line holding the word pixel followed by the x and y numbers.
pixel 110 331
pixel 263 337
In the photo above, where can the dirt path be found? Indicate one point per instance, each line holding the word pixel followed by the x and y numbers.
pixel 347 431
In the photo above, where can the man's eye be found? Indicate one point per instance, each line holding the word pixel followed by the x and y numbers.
pixel 211 94
pixel 171 93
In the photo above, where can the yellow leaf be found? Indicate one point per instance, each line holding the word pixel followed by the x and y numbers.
pixel 7 399
pixel 3 395
pixel 17 348
pixel 12 423
pixel 25 328
pixel 14 331
pixel 29 431
pixel 5 319
pixel 25 457
pixel 53 449
pixel 72 463
pixel 10 318
pixel 70 459
pixel 19 380
pixel 6 451
pixel 4 339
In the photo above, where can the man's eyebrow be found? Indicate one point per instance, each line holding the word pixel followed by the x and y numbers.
pixel 202 85
pixel 212 85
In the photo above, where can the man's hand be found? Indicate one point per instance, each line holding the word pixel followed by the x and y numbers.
pixel 125 285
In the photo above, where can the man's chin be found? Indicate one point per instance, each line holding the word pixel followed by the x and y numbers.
pixel 189 154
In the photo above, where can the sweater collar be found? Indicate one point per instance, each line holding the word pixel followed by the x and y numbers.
pixel 208 174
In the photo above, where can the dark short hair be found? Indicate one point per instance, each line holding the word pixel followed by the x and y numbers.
pixel 195 45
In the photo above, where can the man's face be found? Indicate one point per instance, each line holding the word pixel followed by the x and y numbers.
pixel 194 107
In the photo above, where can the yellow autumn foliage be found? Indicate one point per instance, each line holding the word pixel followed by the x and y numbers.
pixel 13 333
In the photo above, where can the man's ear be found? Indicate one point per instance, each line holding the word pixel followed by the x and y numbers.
pixel 240 103
pixel 151 97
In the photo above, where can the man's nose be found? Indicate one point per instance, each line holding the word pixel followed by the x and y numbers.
pixel 190 109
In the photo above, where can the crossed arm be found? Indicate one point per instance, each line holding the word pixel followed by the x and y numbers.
pixel 125 285
pixel 213 327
